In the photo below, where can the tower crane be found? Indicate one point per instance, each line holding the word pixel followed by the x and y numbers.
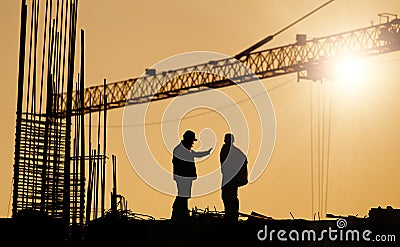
pixel 305 57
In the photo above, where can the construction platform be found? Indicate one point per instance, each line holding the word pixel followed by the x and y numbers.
pixel 208 230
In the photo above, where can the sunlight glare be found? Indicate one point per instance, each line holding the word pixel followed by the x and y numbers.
pixel 352 75
pixel 349 69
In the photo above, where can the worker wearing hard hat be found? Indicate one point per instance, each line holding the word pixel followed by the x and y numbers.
pixel 234 175
pixel 184 171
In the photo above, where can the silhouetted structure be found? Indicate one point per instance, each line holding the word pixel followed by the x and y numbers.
pixel 234 174
pixel 50 161
pixel 42 172
pixel 184 170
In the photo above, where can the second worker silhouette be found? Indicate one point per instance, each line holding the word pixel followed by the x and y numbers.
pixel 234 175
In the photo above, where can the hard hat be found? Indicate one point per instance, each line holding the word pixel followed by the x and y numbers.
pixel 189 135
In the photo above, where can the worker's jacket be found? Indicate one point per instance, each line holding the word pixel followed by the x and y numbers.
pixel 183 161
pixel 233 166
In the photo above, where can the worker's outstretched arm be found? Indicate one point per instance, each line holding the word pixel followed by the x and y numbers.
pixel 199 154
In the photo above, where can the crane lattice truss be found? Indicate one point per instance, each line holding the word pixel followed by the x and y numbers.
pixel 298 57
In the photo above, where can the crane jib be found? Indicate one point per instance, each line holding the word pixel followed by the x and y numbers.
pixel 296 57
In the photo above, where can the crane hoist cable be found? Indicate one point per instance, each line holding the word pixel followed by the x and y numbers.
pixel 320 140
pixel 328 150
pixel 270 37
pixel 311 149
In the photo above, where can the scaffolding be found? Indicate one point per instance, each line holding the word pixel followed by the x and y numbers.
pixel 41 164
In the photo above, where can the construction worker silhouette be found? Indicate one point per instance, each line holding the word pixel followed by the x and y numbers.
pixel 234 175
pixel 184 170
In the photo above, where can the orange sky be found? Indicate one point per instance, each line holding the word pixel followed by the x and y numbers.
pixel 125 37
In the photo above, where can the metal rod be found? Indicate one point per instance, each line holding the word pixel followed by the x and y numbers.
pixel 74 163
pixel 57 65
pixel 103 184
pixel 114 192
pixel 89 189
pixel 29 60
pixel 56 89
pixel 57 52
pixel 68 11
pixel 90 130
pixel 43 56
pixel 99 160
pixel 50 106
pixel 67 172
pixel 36 18
pixel 25 194
pixel 82 99
pixel 30 145
pixel 95 186
pixel 20 97
pixel 34 137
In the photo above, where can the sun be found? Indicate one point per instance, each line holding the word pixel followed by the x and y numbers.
pixel 350 73
pixel 349 69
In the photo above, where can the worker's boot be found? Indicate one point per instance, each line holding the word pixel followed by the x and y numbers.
pixel 180 210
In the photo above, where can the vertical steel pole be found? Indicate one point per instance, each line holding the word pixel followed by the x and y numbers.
pixel 103 184
pixel 68 121
pixel 90 182
pixel 114 192
pixel 82 96
pixel 21 72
